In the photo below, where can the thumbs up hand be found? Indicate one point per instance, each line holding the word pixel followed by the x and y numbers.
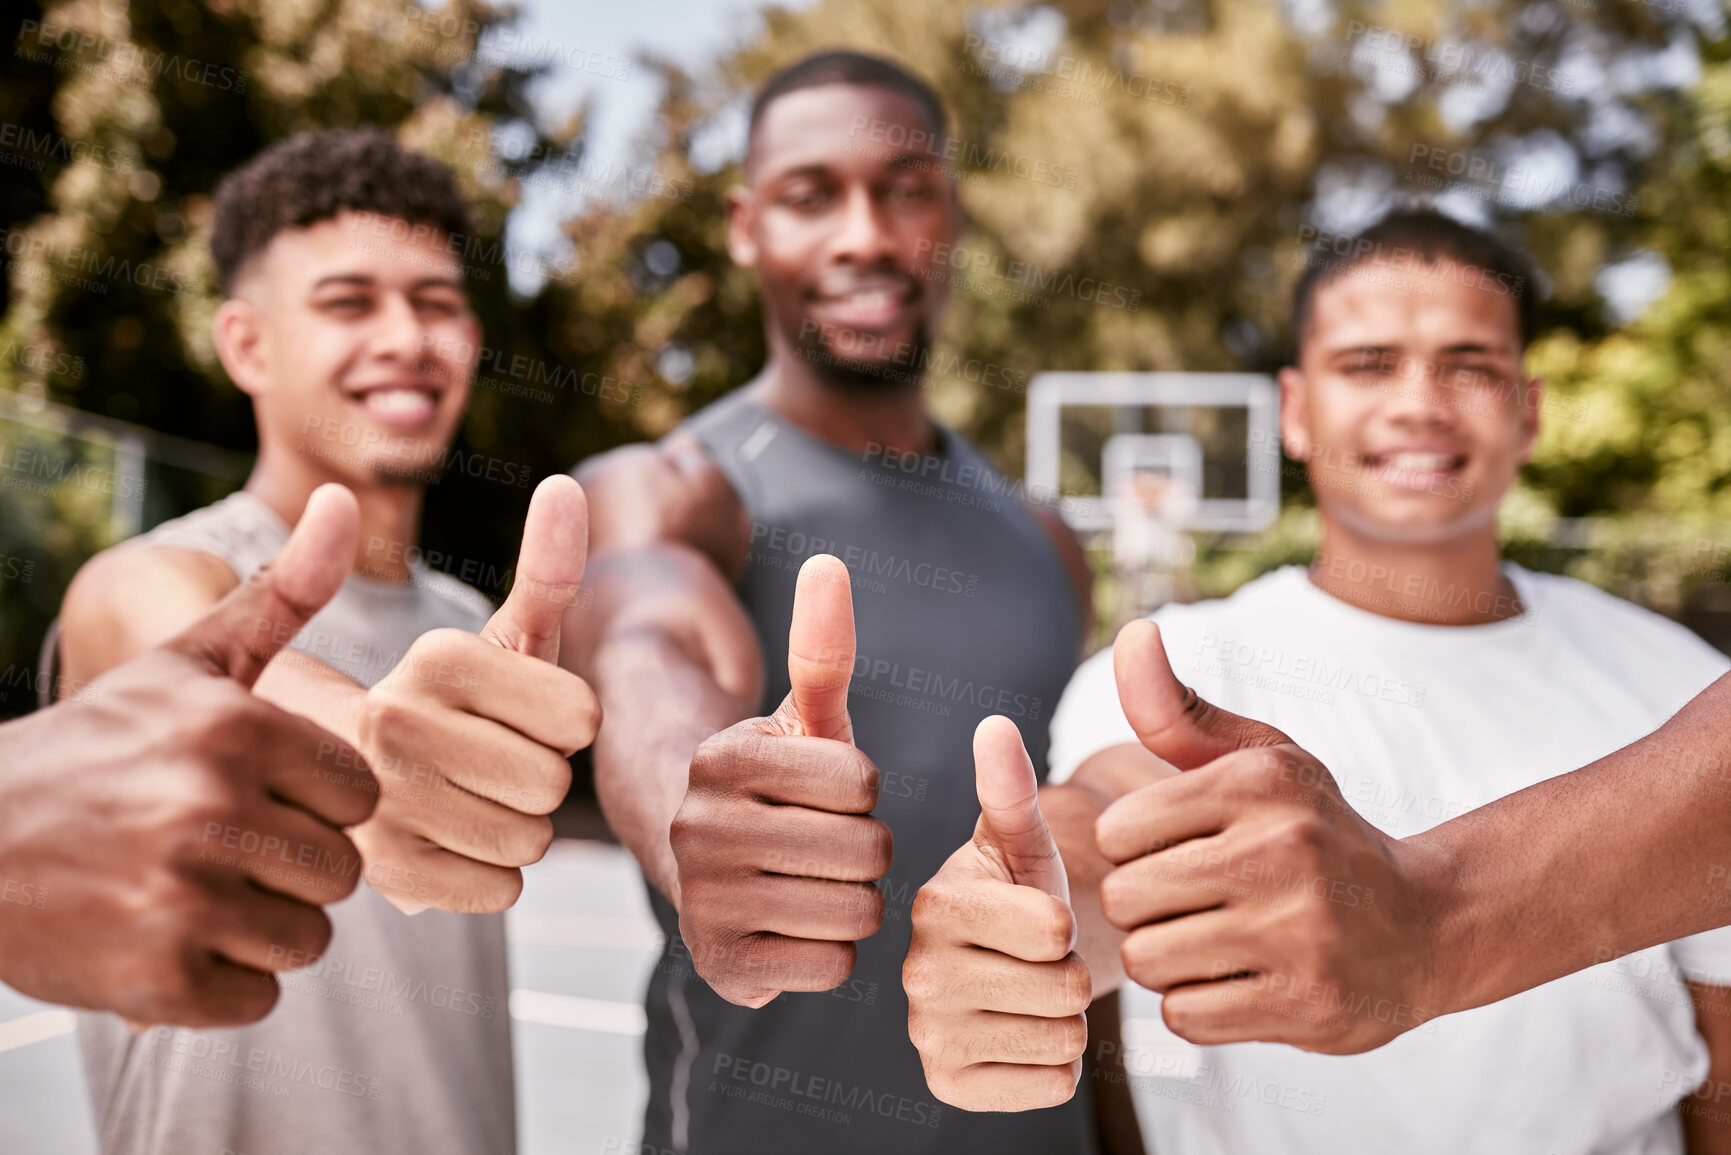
pixel 996 990
pixel 167 838
pixel 1259 903
pixel 469 734
pixel 776 847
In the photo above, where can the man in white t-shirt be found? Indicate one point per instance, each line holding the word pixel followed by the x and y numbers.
pixel 1430 677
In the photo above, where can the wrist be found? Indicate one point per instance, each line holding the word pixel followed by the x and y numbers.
pixel 1440 924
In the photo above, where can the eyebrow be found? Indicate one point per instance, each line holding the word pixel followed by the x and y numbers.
pixel 812 169
pixel 364 280
pixel 1358 351
pixel 896 161
pixel 1459 347
pixel 1475 347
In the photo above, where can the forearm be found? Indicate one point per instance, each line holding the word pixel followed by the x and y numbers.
pixel 1071 810
pixel 1705 1110
pixel 1630 851
pixel 660 702
pixel 304 685
pixel 1115 1123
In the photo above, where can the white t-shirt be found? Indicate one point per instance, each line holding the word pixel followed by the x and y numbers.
pixel 1420 724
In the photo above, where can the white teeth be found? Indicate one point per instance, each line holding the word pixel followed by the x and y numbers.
pixel 872 299
pixel 1419 462
pixel 399 402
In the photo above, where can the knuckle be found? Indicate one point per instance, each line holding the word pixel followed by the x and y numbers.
pixel 168 994
pixel 586 708
pixel 858 776
pixel 697 932
pixel 341 882
pixel 547 785
pixel 185 825
pixel 169 900
pixel 542 837
pixel 935 906
pixel 443 643
pixel 385 714
pixel 523 840
pixel 1071 1042
pixel 831 970
pixel 498 891
pixel 308 935
pixel 1297 836
pixel 1179 1018
pixel 959 1095
pixel 210 708
pixel 1117 897
pixel 943 1086
pixel 928 903
pixel 714 760
pixel 869 914
pixel 920 1035
pixel 1075 986
pixel 1058 926
pixel 689 828
pixel 1259 772
pixel 922 978
pixel 1058 1084
pixel 1184 1018
pixel 879 849
pixel 1139 963
pixel 752 749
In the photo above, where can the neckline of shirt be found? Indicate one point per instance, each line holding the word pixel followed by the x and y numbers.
pixel 1348 616
pixel 948 439
pixel 419 573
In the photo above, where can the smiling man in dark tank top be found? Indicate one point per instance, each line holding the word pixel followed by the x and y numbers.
pixel 785 820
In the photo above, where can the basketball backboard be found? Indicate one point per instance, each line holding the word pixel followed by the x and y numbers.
pixel 1085 429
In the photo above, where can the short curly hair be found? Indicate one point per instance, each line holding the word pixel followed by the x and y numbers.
pixel 313 176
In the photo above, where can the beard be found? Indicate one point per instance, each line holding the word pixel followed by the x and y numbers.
pixel 408 476
pixel 904 369
pixel 398 472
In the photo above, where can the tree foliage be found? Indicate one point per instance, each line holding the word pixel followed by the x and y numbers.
pixel 1141 178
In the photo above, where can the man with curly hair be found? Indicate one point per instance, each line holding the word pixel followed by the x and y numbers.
pixel 346 321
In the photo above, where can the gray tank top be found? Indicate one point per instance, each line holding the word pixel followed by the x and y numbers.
pixel 962 608
pixel 399 1037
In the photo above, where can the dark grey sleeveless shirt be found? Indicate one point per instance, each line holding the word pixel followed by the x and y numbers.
pixel 962 608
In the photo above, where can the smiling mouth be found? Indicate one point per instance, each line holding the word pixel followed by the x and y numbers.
pixel 1407 462
pixel 868 307
pixel 406 405
pixel 1409 468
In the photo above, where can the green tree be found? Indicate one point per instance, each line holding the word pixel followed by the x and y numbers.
pixel 1182 153
pixel 135 111
pixel 1638 436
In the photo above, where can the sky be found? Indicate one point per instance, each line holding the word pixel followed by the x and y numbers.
pixel 594 46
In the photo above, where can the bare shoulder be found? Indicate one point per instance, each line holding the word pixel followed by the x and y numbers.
pixel 1071 553
pixel 134 596
pixel 669 491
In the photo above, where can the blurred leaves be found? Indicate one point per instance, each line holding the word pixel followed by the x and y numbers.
pixel 1196 143
pixel 121 120
pixel 1639 433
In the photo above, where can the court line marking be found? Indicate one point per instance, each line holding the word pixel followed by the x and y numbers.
pixel 543 1007
pixel 36 1028
pixel 578 1013
pixel 614 932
